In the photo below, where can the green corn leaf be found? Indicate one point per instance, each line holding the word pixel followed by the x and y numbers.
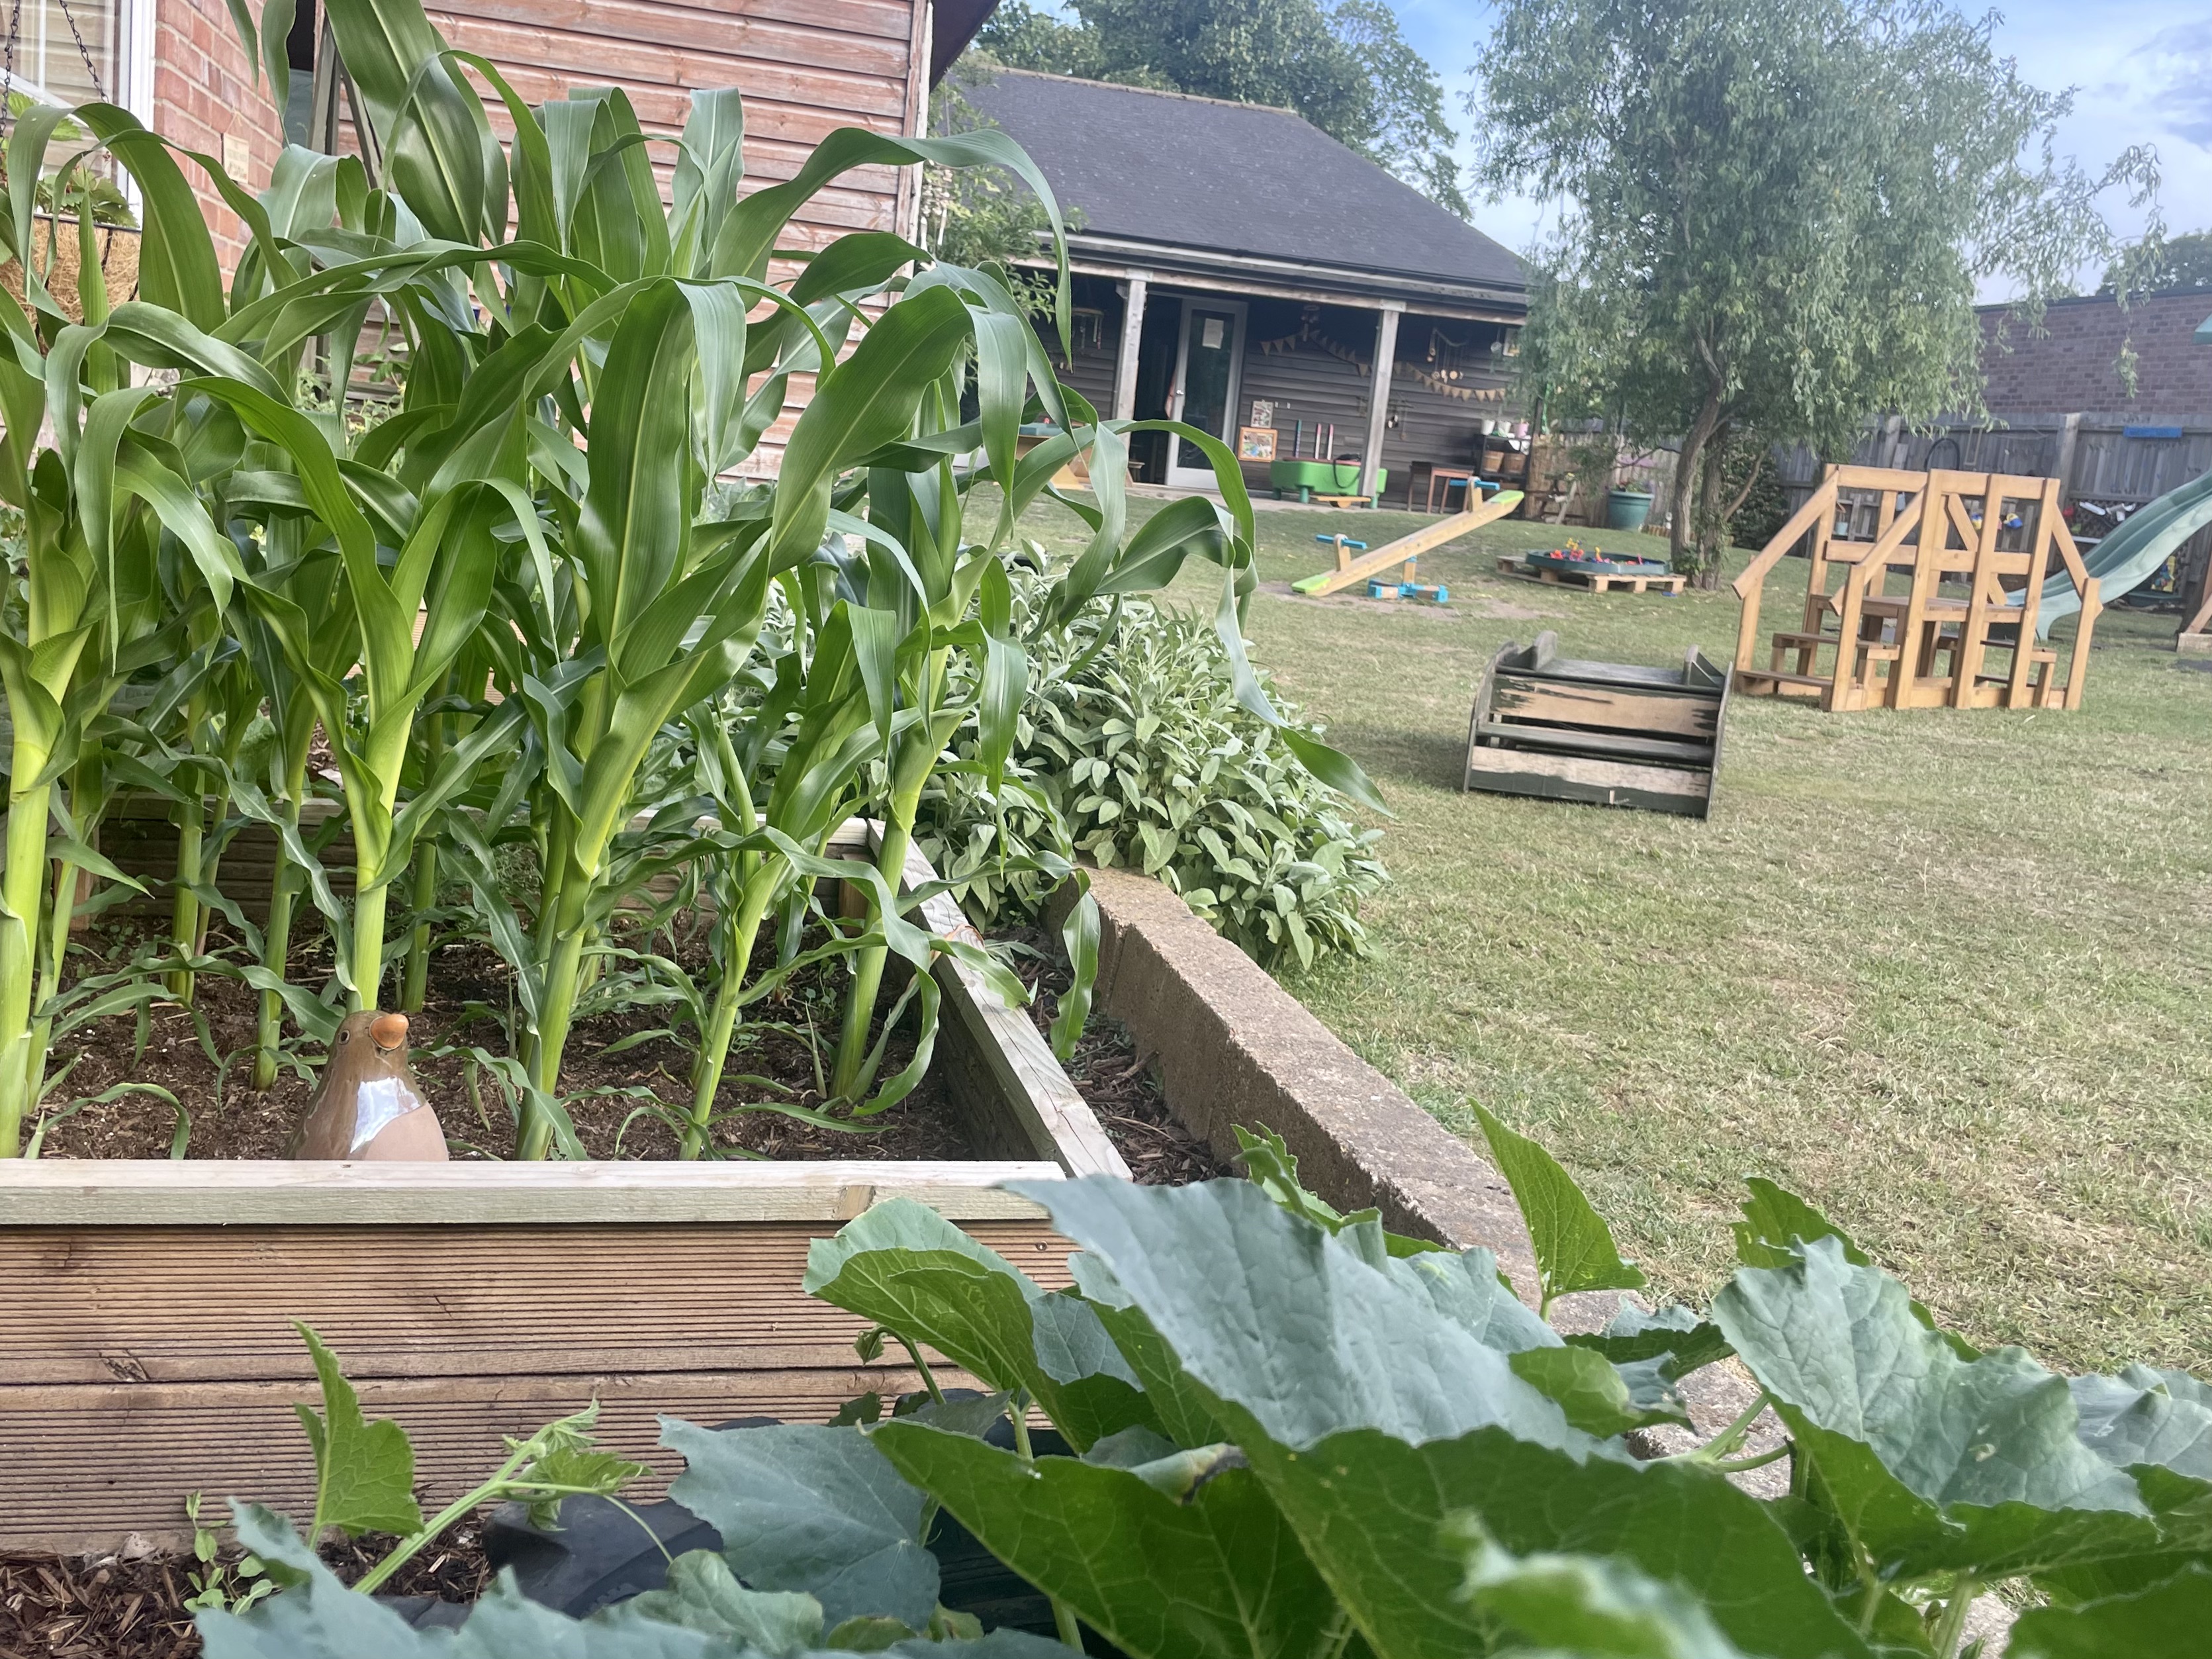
pixel 364 1470
pixel 1079 936
pixel 862 403
pixel 1575 1250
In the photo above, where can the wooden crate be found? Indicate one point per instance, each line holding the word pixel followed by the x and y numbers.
pixel 148 1351
pixel 1611 734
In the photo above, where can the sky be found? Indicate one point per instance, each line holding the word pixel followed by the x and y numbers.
pixel 2141 71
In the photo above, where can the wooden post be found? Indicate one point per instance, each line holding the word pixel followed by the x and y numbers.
pixel 2070 439
pixel 1379 410
pixel 1132 330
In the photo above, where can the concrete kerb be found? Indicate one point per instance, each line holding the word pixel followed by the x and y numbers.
pixel 1233 1048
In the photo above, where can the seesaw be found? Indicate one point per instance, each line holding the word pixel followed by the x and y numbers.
pixel 1403 551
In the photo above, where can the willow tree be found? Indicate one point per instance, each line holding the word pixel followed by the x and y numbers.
pixel 1774 214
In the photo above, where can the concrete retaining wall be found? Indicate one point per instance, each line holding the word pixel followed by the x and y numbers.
pixel 1233 1048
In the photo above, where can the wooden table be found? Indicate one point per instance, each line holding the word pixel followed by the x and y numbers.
pixel 1448 477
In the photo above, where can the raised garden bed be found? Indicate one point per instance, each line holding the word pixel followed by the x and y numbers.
pixel 149 1351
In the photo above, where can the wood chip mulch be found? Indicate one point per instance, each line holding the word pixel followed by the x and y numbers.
pixel 124 1607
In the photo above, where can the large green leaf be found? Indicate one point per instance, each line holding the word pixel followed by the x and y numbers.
pixel 2147 1416
pixel 1183 1556
pixel 701 1593
pixel 1776 1221
pixel 1934 1462
pixel 819 1511
pixel 1591 1606
pixel 904 1266
pixel 1373 1416
pixel 1274 1313
pixel 1673 1335
pixel 1599 1397
pixel 1373 1513
pixel 1575 1249
pixel 2172 1620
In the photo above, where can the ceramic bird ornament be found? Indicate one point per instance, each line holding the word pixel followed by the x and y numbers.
pixel 369 1108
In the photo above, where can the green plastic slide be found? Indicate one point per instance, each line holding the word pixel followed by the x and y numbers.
pixel 2131 554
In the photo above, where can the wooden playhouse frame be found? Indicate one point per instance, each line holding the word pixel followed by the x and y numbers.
pixel 1942 575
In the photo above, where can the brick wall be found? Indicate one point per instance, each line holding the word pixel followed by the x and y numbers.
pixel 203 91
pixel 2072 366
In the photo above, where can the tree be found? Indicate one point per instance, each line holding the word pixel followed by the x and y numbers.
pixel 1343 65
pixel 1774 214
pixel 2174 262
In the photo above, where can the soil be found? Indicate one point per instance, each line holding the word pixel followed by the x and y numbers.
pixel 1122 1086
pixel 121 1606
pixel 616 1094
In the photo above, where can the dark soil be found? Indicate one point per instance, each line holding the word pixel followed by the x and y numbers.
pixel 112 1607
pixel 1123 1085
pixel 613 1095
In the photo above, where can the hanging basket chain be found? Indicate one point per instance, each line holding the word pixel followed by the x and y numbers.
pixel 76 34
pixel 14 34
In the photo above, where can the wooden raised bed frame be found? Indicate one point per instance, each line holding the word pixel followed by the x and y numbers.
pixel 146 1350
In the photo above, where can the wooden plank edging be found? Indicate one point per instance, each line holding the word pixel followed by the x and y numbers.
pixel 158 1192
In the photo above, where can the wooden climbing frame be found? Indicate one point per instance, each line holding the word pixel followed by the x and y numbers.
pixel 1922 592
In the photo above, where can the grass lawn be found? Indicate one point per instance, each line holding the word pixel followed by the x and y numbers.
pixel 1944 973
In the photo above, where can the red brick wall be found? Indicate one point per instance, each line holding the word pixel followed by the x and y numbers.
pixel 2073 366
pixel 203 91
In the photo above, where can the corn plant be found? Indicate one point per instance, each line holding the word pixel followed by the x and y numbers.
pixel 531 556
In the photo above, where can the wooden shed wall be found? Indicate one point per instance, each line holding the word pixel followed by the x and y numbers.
pixel 806 67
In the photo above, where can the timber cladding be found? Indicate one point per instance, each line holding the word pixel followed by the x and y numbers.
pixel 142 1362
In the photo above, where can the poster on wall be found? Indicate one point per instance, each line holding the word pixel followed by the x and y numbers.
pixel 1263 411
pixel 1255 443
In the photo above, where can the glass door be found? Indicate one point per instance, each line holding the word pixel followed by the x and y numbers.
pixel 1209 354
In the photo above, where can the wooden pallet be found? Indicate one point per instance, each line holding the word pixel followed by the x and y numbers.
pixel 1608 734
pixel 1597 581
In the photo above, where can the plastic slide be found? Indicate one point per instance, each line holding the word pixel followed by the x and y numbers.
pixel 2131 554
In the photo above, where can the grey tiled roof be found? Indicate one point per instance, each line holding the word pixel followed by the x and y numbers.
pixel 1223 178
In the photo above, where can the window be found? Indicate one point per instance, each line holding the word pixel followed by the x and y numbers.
pixel 50 63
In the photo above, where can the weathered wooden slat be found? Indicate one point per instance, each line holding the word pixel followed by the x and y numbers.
pixel 1618 745
pixel 91 1468
pixel 141 1363
pixel 1597 782
pixel 1678 710
pixel 107 1304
